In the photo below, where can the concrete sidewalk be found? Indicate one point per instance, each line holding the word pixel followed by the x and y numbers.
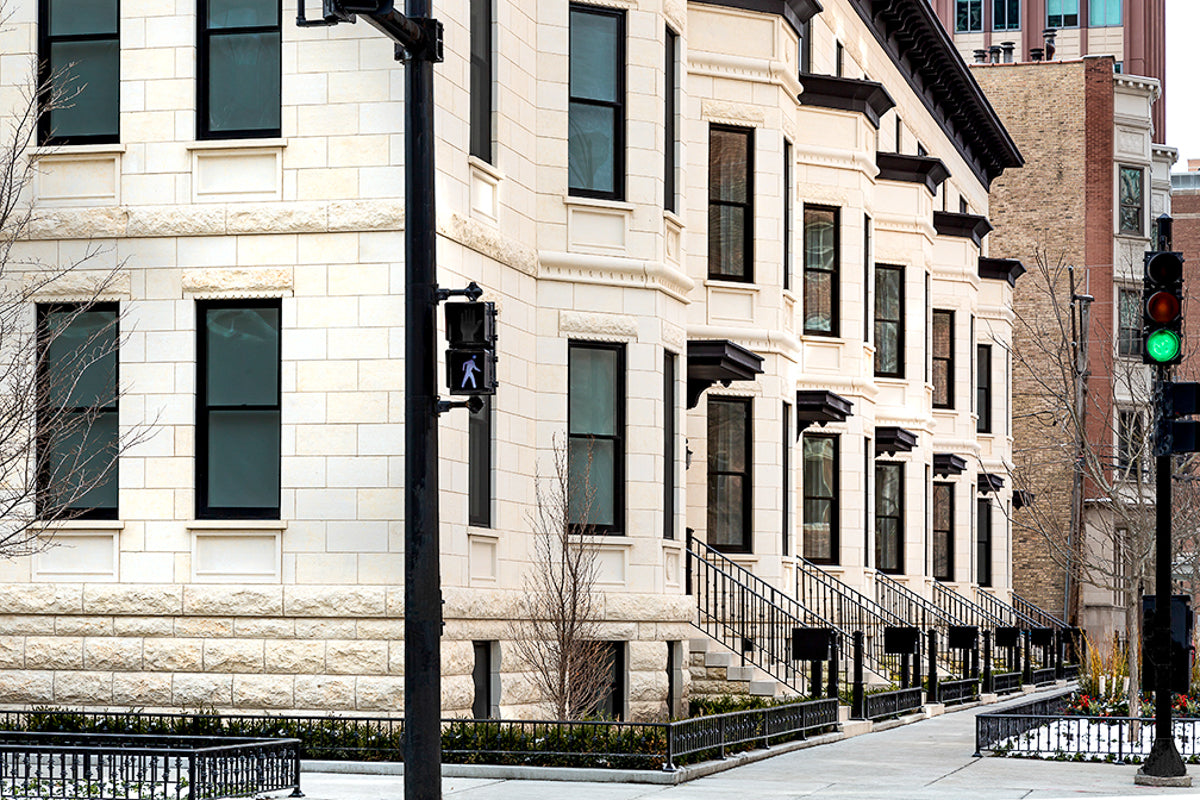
pixel 930 760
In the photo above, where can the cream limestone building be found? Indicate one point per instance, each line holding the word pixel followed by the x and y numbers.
pixel 709 228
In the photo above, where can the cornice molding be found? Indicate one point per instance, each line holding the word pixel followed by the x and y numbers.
pixel 963 226
pixel 794 12
pixel 926 170
pixel 868 98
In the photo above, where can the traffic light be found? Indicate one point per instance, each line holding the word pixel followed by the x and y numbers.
pixel 1162 308
pixel 471 358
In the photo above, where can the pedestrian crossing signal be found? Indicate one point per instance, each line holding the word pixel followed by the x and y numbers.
pixel 471 359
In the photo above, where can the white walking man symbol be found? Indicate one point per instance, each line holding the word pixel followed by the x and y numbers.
pixel 469 369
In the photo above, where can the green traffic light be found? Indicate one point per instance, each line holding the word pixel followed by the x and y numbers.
pixel 1163 346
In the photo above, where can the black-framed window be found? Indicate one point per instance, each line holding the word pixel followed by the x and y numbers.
pixel 1006 15
pixel 596 437
pixel 943 358
pixel 889 321
pixel 596 112
pixel 482 58
pixel 868 458
pixel 670 127
pixel 889 516
pixel 983 388
pixel 485 678
pixel 612 702
pixel 79 54
pixel 822 270
pixel 1104 13
pixel 731 203
pixel 729 474
pixel 943 531
pixel 804 46
pixel 1131 440
pixel 1062 13
pixel 822 490
pixel 983 541
pixel 238 67
pixel 670 414
pixel 786 461
pixel 479 465
pixel 866 277
pixel 1132 200
pixel 787 214
pixel 1129 322
pixel 840 60
pixel 968 16
pixel 237 409
pixel 77 411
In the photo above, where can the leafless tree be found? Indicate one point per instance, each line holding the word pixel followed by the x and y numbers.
pixel 558 634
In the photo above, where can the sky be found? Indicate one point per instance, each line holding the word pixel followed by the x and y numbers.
pixel 1183 80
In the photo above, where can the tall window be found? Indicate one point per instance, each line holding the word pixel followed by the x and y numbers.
pixel 943 531
pixel 983 388
pixel 805 48
pixel 1006 15
pixel 1062 13
pixel 670 411
pixel 889 516
pixel 479 466
pixel 596 114
pixel 1129 322
pixel 730 203
pixel 1103 13
pixel 889 321
pixel 729 459
pixel 821 494
pixel 486 678
pixel 983 541
pixel 481 79
pixel 943 359
pixel 1131 200
pixel 671 135
pixel 237 410
pixel 866 278
pixel 596 434
pixel 238 63
pixel 612 704
pixel 821 266
pixel 868 457
pixel 1131 441
pixel 79 54
pixel 786 462
pixel 77 411
pixel 787 214
pixel 968 16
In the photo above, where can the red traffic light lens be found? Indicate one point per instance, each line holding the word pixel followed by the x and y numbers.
pixel 1162 307
pixel 1164 267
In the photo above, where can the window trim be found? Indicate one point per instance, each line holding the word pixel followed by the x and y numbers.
pixel 45 132
pixel 948 532
pixel 482 81
pixel 1141 207
pixel 617 528
pixel 1007 24
pixel 204 62
pixel 959 6
pixel 786 474
pixel 671 137
pixel 787 215
pixel 1129 338
pixel 900 527
pixel 747 275
pixel 983 541
pixel 835 516
pixel 747 543
pixel 948 360
pixel 670 424
pixel 203 509
pixel 835 272
pixel 618 105
pixel 900 271
pixel 1063 15
pixel 984 388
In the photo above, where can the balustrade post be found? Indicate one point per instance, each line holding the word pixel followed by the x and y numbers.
pixel 856 696
pixel 932 694
pixel 989 680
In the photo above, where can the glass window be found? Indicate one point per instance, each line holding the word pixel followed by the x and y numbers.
pixel 1006 15
pixel 237 410
pixel 983 541
pixel 805 47
pixel 866 278
pixel 943 531
pixel 239 68
pixel 889 325
pixel 612 703
pixel 787 214
pixel 943 359
pixel 968 16
pixel 672 136
pixel 821 498
pixel 1102 13
pixel 786 461
pixel 596 433
pixel 1062 13
pixel 77 440
pixel 1131 441
pixel 596 113
pixel 484 701
pixel 479 465
pixel 729 459
pixel 670 412
pixel 1129 322
pixel 79 57
pixel 889 516
pixel 1132 205
pixel 983 388
pixel 821 263
pixel 481 79
pixel 730 204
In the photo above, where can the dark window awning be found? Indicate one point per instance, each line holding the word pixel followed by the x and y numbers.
pixel 794 12
pixel 926 170
pixel 894 439
pixel 1001 269
pixel 820 406
pixel 1022 498
pixel 947 464
pixel 868 98
pixel 718 361
pixel 963 226
pixel 990 484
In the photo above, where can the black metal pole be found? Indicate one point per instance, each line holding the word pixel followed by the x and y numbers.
pixel 422 572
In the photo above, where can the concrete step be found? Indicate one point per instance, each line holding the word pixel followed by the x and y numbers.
pixel 719 658
pixel 766 687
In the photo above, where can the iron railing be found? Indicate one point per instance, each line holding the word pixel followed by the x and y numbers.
pixel 958 691
pixel 715 734
pixel 1006 682
pixel 1043 618
pixel 904 602
pixel 121 766
pixel 990 730
pixel 962 609
pixel 751 617
pixel 884 705
pixel 1008 615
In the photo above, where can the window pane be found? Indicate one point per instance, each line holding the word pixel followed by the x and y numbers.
pixel 887 294
pixel 887 348
pixel 595 55
pixel 818 301
pixel 590 147
pixel 81 17
pixel 727 241
pixel 243 459
pixel 89 75
pixel 727 437
pixel 81 463
pixel 591 487
pixel 820 511
pixel 1130 323
pixel 242 358
pixel 243 82
pixel 592 391
pixel 479 488
pixel 81 358
pixel 818 466
pixel 242 13
pixel 726 511
pixel 728 166
pixel 481 79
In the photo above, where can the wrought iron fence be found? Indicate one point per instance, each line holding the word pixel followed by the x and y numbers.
pixel 994 727
pixel 133 767
pixel 960 691
pixel 1044 676
pixel 1008 615
pixel 960 608
pixel 1120 739
pixel 904 602
pixel 1042 618
pixel 715 735
pixel 883 705
pixel 1006 682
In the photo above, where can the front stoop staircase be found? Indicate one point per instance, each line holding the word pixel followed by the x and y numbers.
pixel 715 670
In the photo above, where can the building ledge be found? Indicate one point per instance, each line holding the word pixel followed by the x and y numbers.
pixel 891 439
pixel 927 170
pixel 718 361
pixel 1001 269
pixel 820 406
pixel 964 226
pixel 947 464
pixel 868 98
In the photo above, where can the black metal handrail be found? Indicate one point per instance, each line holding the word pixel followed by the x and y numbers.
pixel 883 705
pixel 959 691
pixel 900 599
pixel 962 608
pixel 750 616
pixel 1007 614
pixel 1043 618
